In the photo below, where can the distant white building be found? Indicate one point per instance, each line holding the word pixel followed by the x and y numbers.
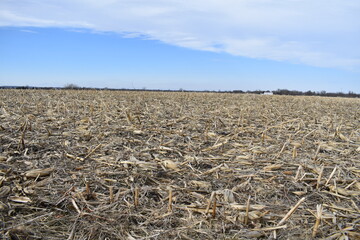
pixel 268 93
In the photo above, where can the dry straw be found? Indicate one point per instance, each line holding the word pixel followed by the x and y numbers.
pixel 153 165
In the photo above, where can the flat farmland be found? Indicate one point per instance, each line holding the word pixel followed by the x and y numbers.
pixel 159 165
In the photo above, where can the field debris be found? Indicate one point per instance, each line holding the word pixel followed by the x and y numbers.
pixel 150 165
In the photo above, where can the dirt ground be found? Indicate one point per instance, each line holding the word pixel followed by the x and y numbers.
pixel 152 165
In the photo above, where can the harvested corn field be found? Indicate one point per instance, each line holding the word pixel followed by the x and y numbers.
pixel 152 165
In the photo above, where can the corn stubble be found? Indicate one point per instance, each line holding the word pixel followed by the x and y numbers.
pixel 151 165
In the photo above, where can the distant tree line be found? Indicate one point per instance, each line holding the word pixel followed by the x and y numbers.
pixel 300 93
pixel 321 93
pixel 312 93
pixel 350 94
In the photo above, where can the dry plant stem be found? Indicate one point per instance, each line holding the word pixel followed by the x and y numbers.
pixel 317 152
pixel 74 157
pixel 246 219
pixel 22 140
pixel 319 177
pixel 48 132
pixel 292 210
pixel 27 222
pixel 294 152
pixel 331 175
pixel 214 207
pixel 129 118
pixel 136 196
pixel 209 203
pixel 75 205
pixel 355 206
pixel 170 200
pixel 298 172
pixel 88 190
pixel 111 194
pixel 72 233
pixel 319 210
pixel 92 151
pixel 352 183
pixel 282 149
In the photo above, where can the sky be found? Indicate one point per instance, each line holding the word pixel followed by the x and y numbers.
pixel 172 44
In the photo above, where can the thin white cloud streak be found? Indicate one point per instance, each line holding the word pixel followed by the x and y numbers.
pixel 322 33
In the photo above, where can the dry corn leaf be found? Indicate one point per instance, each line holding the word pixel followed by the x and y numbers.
pixel 314 169
pixel 3 206
pixel 299 193
pixel 228 196
pixel 200 184
pixel 129 237
pixel 252 234
pixel 342 137
pixel 4 191
pixel 29 190
pixel 85 120
pixel 214 146
pixel 141 164
pixel 20 199
pixel 74 157
pixel 251 207
pixel 296 144
pixel 82 128
pixel 272 167
pixel 213 169
pixel 198 195
pixel 258 151
pixel 252 215
pixel 39 172
pixel 211 134
pixel 243 157
pixel 42 183
pixel 344 191
pixel 267 137
pixel 171 165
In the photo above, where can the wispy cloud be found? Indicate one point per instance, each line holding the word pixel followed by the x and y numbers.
pixel 321 33
pixel 28 31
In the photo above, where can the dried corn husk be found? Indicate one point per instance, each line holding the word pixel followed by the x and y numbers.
pixel 39 172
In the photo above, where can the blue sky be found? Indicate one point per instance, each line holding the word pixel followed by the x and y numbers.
pixel 199 45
